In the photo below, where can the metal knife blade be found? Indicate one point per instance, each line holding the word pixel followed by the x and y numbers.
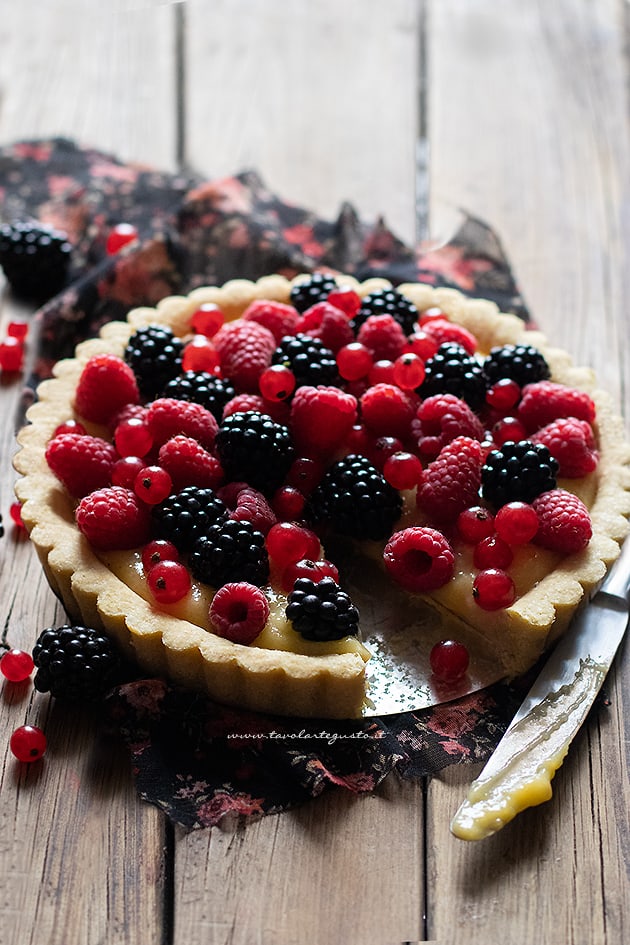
pixel 519 773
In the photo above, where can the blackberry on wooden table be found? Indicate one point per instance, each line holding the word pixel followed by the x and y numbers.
pixel 387 302
pixel 452 370
pixel 255 449
pixel 518 472
pixel 311 362
pixel 183 517
pixel 321 611
pixel 312 290
pixel 356 500
pixel 228 552
pixel 75 663
pixel 154 354
pixel 35 259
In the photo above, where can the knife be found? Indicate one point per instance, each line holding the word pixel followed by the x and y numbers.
pixel 519 773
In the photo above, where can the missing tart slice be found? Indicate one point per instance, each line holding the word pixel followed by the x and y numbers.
pixel 209 480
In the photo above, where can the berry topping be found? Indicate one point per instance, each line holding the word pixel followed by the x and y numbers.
pixel 239 612
pixel 308 358
pixel 168 417
pixel 230 551
pixel 28 743
pixel 518 472
pixel 254 448
pixel 245 349
pixel 321 419
pixel 35 259
pixel 113 518
pixel 442 418
pixel 454 371
pixel 387 302
pixel 564 522
pixel 544 402
pixel 419 559
pixel 321 611
pixel 493 589
pixel 16 665
pixel 189 464
pixel 572 444
pixel 449 661
pixel 155 357
pixel 451 482
pixel 82 462
pixel 75 664
pixel 106 384
pixel 203 388
pixel 521 363
pixel 184 517
pixel 316 288
pixel 354 499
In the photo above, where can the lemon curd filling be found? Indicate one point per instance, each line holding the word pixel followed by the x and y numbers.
pixel 278 634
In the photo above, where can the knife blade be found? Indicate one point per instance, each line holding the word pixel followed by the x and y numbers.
pixel 519 773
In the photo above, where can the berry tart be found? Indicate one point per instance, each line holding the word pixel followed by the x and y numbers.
pixel 201 481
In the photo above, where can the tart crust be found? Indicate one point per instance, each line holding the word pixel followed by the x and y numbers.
pixel 278 681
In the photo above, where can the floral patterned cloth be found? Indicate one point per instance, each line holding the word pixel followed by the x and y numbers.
pixel 196 760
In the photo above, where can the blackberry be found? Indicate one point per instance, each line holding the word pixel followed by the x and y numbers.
pixel 75 663
pixel 35 259
pixel 183 517
pixel 202 388
pixel 521 363
pixel 387 302
pixel 356 500
pixel 314 289
pixel 321 611
pixel 452 370
pixel 230 551
pixel 309 359
pixel 154 354
pixel 255 449
pixel 518 472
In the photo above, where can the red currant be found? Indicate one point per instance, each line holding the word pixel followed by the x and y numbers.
pixel 16 665
pixel 402 470
pixel 503 395
pixel 200 355
pixel 475 524
pixel 493 589
pixel 70 426
pixel 305 474
pixel 125 470
pixel 431 314
pixel 133 438
pixel 449 661
pixel 28 743
pixel 315 570
pixel 408 371
pixel 276 382
pixel 493 552
pixel 288 503
pixel 119 236
pixel 207 320
pixel 346 299
pixel 380 449
pixel 11 354
pixel 516 523
pixel 169 581
pixel 354 361
pixel 509 428
pixel 381 372
pixel 422 344
pixel 288 543
pixel 152 484
pixel 15 511
pixel 18 330
pixel 156 551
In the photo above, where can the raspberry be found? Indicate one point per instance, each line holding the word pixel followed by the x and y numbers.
pixel 442 418
pixel 106 385
pixel 387 410
pixel 545 401
pixel 238 612
pixel 189 464
pixel 276 317
pixel 321 611
pixel 442 331
pixel 243 403
pixel 245 348
pixel 419 559
pixel 564 522
pixel 248 505
pixel 83 463
pixel 113 518
pixel 571 442
pixel 168 417
pixel 383 337
pixel 327 323
pixel 321 419
pixel 451 482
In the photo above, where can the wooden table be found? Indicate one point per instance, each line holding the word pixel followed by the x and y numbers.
pixel 518 112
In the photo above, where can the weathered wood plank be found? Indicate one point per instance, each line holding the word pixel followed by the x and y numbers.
pixel 103 73
pixel 519 135
pixel 320 98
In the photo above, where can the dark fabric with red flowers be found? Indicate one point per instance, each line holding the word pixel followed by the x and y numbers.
pixel 194 759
